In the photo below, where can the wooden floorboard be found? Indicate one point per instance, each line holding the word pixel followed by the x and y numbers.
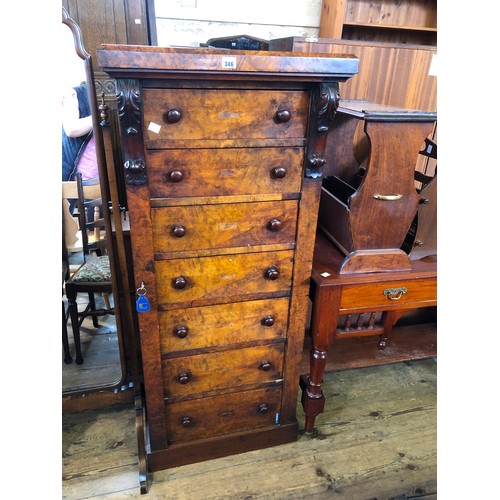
pixel 375 440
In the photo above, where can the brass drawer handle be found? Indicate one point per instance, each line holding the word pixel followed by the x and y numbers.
pixel 387 197
pixel 395 293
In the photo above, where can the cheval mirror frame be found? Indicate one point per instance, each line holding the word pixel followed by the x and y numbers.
pixel 123 381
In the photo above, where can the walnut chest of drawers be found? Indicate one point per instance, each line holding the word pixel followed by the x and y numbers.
pixel 222 161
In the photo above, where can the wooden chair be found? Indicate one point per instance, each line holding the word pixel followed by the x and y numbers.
pixel 65 275
pixel 94 274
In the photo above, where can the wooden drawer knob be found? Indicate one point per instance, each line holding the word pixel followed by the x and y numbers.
pixel 179 231
pixel 183 378
pixel 180 283
pixel 172 116
pixel 268 321
pixel 279 172
pixel 265 366
pixel 274 225
pixel 176 176
pixel 186 422
pixel 181 331
pixel 262 409
pixel 283 115
pixel 272 273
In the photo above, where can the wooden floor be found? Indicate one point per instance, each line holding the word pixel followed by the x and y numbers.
pixel 375 440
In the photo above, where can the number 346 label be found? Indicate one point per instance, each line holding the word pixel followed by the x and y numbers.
pixel 229 62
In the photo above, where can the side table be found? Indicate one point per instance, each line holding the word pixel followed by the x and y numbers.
pixel 354 305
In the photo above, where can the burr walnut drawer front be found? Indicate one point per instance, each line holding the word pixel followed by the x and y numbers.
pixel 389 295
pixel 202 373
pixel 221 415
pixel 223 278
pixel 176 173
pixel 223 324
pixel 210 227
pixel 200 114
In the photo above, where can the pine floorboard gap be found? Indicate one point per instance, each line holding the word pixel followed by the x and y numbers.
pixel 375 440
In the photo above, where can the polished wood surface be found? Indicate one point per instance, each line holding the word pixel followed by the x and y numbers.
pixel 396 43
pixel 232 114
pixel 396 74
pixel 207 235
pixel 212 227
pixel 405 21
pixel 345 306
pixel 223 324
pixel 425 241
pixel 179 63
pixel 242 172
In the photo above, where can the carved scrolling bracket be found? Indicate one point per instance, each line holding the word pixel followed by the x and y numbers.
pixel 325 101
pixel 128 98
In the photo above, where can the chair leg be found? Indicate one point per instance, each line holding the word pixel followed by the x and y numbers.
pixel 93 308
pixel 67 356
pixel 105 298
pixel 73 313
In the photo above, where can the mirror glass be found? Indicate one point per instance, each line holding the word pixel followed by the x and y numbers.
pixel 101 347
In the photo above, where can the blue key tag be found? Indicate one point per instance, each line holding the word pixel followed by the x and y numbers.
pixel 142 303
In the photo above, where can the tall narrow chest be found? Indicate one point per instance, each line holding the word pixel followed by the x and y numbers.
pixel 222 162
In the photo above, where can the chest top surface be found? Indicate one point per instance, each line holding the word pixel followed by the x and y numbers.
pixel 185 62
pixel 370 111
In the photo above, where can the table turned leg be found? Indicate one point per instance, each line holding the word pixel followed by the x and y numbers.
pixel 323 327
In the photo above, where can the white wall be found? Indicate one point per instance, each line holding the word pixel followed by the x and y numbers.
pixel 193 22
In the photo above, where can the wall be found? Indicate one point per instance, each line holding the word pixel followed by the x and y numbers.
pixel 193 22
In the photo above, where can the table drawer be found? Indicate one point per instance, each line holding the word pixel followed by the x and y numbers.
pixel 210 227
pixel 221 415
pixel 177 173
pixel 200 114
pixel 389 295
pixel 223 278
pixel 202 373
pixel 224 324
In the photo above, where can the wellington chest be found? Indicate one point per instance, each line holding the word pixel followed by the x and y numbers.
pixel 222 161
